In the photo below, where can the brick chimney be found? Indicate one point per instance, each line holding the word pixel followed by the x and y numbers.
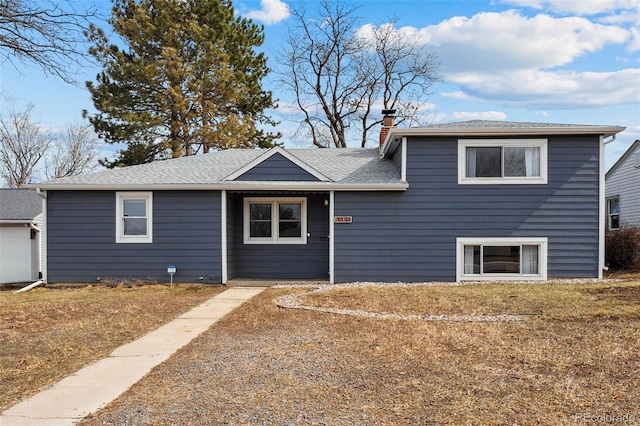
pixel 387 123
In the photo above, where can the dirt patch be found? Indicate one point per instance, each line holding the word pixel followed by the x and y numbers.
pixel 47 334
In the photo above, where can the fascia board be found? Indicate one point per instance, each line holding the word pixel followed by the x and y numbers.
pixel 397 132
pixel 277 150
pixel 233 186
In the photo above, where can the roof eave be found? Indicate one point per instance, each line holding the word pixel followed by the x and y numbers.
pixel 623 158
pixel 231 186
pixel 395 133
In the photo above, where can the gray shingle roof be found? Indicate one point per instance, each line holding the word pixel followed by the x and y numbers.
pixel 492 124
pixel 19 204
pixel 342 166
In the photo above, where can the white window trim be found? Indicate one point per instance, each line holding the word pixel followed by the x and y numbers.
pixel 508 241
pixel 463 144
pixel 608 212
pixel 274 239
pixel 134 239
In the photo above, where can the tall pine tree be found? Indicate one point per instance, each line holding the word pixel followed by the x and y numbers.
pixel 183 77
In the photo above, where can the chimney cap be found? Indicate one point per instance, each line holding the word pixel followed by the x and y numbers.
pixel 388 111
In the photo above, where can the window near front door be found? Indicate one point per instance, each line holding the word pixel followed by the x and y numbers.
pixel 613 213
pixel 275 221
pixel 495 258
pixel 501 161
pixel 134 217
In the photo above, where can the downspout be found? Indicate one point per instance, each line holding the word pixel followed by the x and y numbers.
pixel 43 233
pixel 602 212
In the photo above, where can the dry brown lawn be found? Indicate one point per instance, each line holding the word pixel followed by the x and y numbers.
pixel 574 361
pixel 46 334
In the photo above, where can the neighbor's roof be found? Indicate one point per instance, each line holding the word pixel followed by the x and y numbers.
pixel 624 157
pixel 496 128
pixel 345 168
pixel 19 205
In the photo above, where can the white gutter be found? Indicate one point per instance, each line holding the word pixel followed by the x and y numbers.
pixel 17 222
pixel 43 234
pixel 245 186
pixel 395 133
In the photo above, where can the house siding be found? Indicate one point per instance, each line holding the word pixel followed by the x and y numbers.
pixel 624 182
pixel 277 168
pixel 285 261
pixel 411 236
pixel 82 247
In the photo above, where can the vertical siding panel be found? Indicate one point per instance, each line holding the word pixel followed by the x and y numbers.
pixel 411 235
pixel 81 238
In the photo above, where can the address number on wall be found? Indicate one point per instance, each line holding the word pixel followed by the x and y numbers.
pixel 342 219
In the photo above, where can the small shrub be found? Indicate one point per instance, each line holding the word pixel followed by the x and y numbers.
pixel 622 248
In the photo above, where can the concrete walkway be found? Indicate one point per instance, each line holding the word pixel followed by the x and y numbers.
pixel 94 386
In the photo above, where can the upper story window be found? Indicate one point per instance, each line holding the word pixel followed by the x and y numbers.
pixel 613 213
pixel 275 221
pixel 134 217
pixel 502 161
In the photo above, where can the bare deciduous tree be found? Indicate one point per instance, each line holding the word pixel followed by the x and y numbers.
pixel 339 72
pixel 28 153
pixel 404 74
pixel 73 153
pixel 22 146
pixel 49 34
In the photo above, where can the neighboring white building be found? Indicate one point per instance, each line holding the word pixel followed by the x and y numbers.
pixel 20 224
pixel 622 189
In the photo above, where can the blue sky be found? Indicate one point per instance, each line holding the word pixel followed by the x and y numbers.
pixel 554 61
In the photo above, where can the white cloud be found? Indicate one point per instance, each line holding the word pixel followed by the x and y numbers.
pixel 544 89
pixel 634 45
pixel 509 41
pixel 515 60
pixel 589 7
pixel 272 12
pixel 458 94
pixel 479 115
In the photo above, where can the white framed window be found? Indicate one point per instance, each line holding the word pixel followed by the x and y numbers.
pixel 134 217
pixel 637 159
pixel 486 259
pixel 275 220
pixel 502 161
pixel 613 213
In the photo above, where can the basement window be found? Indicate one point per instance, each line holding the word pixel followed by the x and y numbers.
pixel 275 221
pixel 501 259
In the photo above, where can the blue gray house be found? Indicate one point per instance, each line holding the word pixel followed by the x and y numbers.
pixel 476 200
pixel 622 190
